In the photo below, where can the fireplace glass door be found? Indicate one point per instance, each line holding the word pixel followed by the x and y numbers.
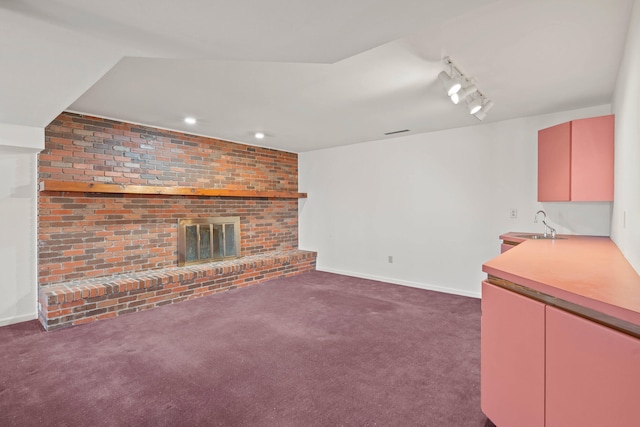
pixel 203 240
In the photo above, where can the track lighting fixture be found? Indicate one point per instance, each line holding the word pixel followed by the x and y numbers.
pixel 461 88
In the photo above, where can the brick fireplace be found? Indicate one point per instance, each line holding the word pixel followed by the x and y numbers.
pixel 105 254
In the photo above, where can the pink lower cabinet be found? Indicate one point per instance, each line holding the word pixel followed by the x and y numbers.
pixel 512 358
pixel 592 374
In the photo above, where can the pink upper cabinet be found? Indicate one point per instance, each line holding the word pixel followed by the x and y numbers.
pixel 575 161
pixel 554 163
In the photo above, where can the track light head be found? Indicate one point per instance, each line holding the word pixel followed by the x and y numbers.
pixel 482 114
pixel 463 93
pixel 474 104
pixel 451 84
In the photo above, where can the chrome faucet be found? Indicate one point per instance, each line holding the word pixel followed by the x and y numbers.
pixel 551 230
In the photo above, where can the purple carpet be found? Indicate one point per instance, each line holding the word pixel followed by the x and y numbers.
pixel 314 350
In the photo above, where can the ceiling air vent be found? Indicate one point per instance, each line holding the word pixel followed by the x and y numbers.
pixel 397 131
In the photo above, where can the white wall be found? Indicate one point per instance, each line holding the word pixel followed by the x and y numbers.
pixel 436 202
pixel 19 147
pixel 21 137
pixel 625 225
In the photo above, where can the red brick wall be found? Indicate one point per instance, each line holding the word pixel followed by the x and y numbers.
pixel 91 235
pixel 82 148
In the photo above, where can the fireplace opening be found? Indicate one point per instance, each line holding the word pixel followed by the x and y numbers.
pixel 203 240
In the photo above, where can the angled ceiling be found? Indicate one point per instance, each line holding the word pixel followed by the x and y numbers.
pixel 309 74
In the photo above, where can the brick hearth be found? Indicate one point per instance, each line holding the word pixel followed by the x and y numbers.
pixel 84 301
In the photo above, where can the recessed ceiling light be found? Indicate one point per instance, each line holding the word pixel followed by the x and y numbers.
pixel 259 135
pixel 190 120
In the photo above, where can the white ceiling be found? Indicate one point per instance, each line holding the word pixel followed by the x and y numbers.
pixel 309 74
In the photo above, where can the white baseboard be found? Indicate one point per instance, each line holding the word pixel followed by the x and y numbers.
pixel 429 287
pixel 17 319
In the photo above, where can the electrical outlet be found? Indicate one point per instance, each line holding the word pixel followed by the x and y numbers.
pixel 513 213
pixel 390 259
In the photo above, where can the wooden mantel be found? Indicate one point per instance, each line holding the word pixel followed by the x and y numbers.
pixel 96 187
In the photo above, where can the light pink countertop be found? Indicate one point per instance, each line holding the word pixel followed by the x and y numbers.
pixel 588 271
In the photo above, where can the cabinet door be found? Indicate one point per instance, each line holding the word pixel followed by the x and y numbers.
pixel 554 163
pixel 592 159
pixel 593 374
pixel 512 358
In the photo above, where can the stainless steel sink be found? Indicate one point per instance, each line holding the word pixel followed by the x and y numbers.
pixel 540 236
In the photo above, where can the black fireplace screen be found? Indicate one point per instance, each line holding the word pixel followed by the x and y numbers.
pixel 207 239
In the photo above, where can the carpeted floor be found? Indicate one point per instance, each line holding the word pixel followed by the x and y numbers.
pixel 314 350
